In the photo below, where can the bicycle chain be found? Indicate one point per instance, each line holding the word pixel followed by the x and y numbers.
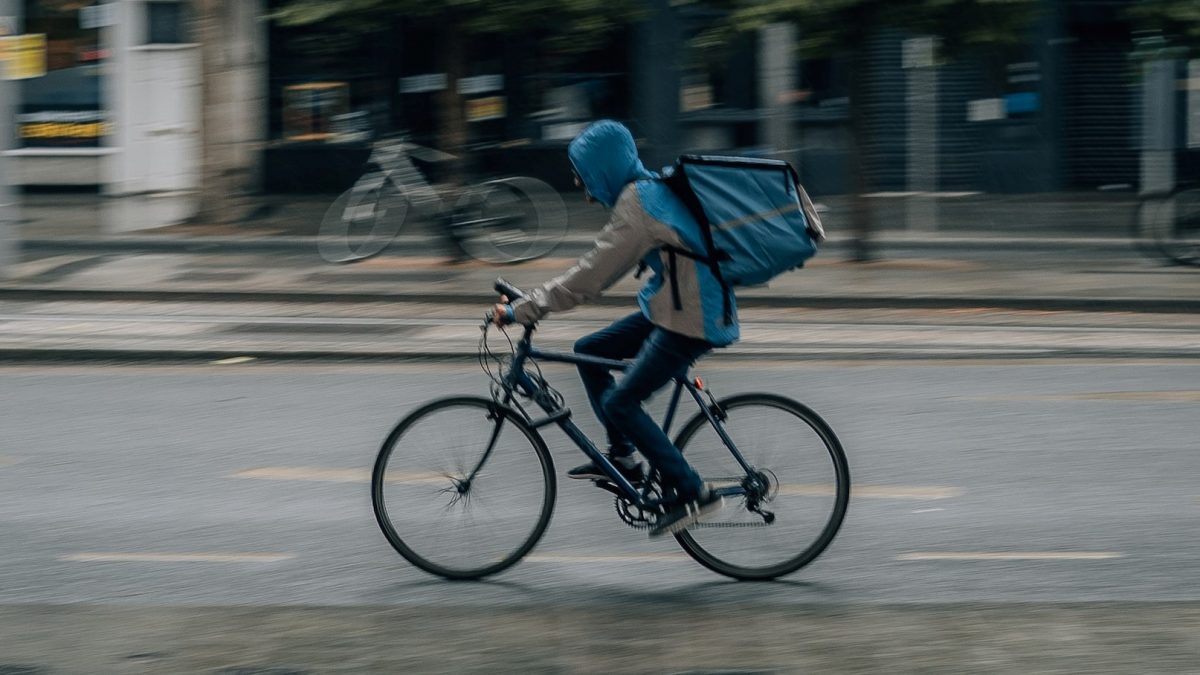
pixel 702 525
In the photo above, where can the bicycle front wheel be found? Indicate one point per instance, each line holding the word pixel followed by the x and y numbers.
pixel 437 520
pixel 800 460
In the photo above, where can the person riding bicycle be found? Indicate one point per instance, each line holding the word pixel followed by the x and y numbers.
pixel 674 327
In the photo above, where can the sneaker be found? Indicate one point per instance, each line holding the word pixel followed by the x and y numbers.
pixel 685 514
pixel 628 466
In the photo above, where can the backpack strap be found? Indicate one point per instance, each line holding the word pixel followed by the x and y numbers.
pixel 678 183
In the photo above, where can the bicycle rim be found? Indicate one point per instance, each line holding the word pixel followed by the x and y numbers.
pixel 511 220
pixel 438 528
pixel 802 461
pixel 361 222
pixel 1177 227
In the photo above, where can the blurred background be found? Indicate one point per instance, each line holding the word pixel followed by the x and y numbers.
pixel 215 113
pixel 1003 328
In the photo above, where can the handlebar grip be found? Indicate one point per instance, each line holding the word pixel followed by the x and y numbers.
pixel 504 288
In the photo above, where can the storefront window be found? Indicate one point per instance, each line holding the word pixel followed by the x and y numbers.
pixel 165 23
pixel 63 108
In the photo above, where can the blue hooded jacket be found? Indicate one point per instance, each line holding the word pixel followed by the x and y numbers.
pixel 646 216
pixel 606 160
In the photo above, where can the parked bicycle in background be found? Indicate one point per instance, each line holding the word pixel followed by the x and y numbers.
pixel 1166 224
pixel 504 221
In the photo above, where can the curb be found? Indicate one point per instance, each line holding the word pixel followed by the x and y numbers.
pixel 745 300
pixel 573 245
pixel 185 357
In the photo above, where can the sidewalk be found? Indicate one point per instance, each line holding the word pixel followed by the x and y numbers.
pixel 970 277
pixel 284 221
pixel 191 307
pixel 207 292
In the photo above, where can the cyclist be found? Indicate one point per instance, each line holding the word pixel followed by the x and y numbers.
pixel 674 327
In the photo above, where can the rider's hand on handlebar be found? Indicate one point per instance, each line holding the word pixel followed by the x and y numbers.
pixel 500 312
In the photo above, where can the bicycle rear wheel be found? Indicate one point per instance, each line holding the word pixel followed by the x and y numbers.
pixel 511 220
pixel 1176 227
pixel 440 524
pixel 362 221
pixel 801 460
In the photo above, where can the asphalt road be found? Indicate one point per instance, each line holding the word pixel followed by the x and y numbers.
pixel 996 484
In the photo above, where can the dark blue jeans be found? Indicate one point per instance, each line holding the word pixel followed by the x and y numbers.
pixel 658 356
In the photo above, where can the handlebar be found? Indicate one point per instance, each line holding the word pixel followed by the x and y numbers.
pixel 504 288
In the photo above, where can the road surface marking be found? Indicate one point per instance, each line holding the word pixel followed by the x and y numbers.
pixel 1173 396
pixel 328 475
pixel 927 510
pixel 306 474
pixel 325 475
pixel 874 491
pixel 234 361
pixel 1017 555
pixel 177 557
pixel 605 558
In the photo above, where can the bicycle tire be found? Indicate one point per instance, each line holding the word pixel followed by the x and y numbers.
pixel 374 205
pixel 511 220
pixel 1177 231
pixel 736 518
pixel 406 540
pixel 1143 211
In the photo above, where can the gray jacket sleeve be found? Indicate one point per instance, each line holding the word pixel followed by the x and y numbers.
pixel 627 238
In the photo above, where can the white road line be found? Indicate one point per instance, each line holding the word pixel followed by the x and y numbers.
pixel 177 557
pixel 233 361
pixel 924 493
pixel 327 475
pixel 1011 555
pixel 927 510
pixel 332 475
pixel 1169 396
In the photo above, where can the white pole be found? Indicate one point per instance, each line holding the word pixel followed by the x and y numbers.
pixel 922 168
pixel 777 80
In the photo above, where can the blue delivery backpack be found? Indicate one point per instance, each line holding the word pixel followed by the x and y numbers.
pixel 755 218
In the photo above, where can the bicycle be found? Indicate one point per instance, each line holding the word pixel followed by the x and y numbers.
pixel 1166 225
pixel 478 450
pixel 503 221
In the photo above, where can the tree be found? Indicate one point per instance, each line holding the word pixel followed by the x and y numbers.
pixel 843 27
pixel 562 26
pixel 233 108
pixel 1177 22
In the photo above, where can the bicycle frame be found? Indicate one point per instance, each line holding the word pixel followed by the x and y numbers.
pixel 518 380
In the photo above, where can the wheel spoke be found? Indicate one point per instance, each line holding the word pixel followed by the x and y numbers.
pixel 808 487
pixel 443 524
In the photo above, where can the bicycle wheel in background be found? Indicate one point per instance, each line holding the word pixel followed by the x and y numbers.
pixel 362 221
pixel 511 220
pixel 441 526
pixel 802 461
pixel 1141 224
pixel 1176 227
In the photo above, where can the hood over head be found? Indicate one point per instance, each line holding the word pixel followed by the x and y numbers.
pixel 605 157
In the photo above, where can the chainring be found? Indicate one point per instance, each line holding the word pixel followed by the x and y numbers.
pixel 631 515
pixel 637 517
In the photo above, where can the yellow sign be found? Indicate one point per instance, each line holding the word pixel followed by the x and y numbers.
pixel 23 56
pixel 65 130
pixel 487 108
